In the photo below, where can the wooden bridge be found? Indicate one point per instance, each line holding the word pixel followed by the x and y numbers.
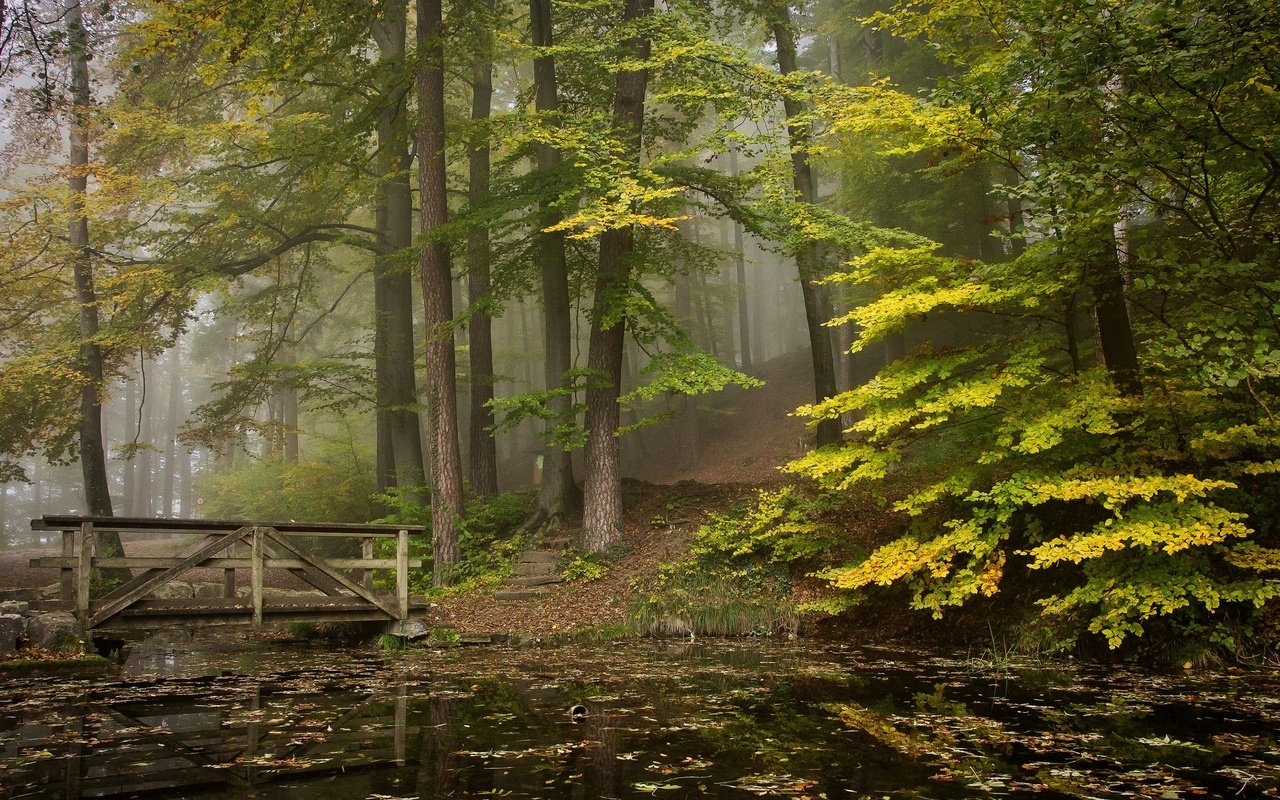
pixel 344 587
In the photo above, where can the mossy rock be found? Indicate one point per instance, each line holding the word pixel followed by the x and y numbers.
pixel 80 666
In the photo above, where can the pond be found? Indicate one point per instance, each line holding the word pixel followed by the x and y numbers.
pixel 719 719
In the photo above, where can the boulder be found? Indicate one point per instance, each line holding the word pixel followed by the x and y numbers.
pixel 59 630
pixel 174 590
pixel 409 629
pixel 14 607
pixel 208 589
pixel 12 628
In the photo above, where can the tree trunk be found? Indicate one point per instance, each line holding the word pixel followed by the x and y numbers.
pixel 740 269
pixel 400 460
pixel 92 447
pixel 1111 311
pixel 602 503
pixel 816 311
pixel 173 412
pixel 558 493
pixel 143 503
pixel 483 448
pixel 437 297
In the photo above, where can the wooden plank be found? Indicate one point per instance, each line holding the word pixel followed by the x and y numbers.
pixel 71 522
pixel 228 582
pixel 346 582
pixel 143 586
pixel 366 553
pixel 162 562
pixel 255 579
pixel 84 572
pixel 402 574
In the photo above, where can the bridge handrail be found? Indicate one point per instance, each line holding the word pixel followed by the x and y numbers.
pixel 78 559
pixel 67 522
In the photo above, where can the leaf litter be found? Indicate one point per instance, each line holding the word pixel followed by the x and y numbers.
pixel 711 719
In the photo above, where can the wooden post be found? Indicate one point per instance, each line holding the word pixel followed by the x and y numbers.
pixel 228 582
pixel 68 574
pixel 402 573
pixel 366 552
pixel 84 570
pixel 256 579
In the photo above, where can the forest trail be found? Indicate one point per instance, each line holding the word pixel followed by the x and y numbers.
pixel 746 434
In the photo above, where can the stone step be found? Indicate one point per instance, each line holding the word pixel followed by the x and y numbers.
pixel 537 568
pixel 542 555
pixel 560 543
pixel 520 594
pixel 534 580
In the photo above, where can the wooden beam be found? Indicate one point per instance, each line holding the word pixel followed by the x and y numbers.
pixel 163 563
pixel 141 587
pixel 343 580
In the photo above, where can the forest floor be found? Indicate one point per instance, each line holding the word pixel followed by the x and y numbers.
pixel 745 437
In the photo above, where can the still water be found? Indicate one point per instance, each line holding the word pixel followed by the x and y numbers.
pixel 647 719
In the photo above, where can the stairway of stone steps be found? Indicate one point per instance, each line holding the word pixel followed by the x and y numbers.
pixel 539 568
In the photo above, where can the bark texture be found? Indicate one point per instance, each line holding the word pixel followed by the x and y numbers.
pixel 92 446
pixel 602 496
pixel 558 493
pixel 437 295
pixel 817 310
pixel 400 460
pixel 482 448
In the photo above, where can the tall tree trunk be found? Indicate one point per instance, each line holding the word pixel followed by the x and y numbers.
pixel 602 500
pixel 129 433
pixel 740 270
pixel 558 493
pixel 437 296
pixel 92 447
pixel 400 460
pixel 174 413
pixel 816 311
pixel 685 430
pixel 483 448
pixel 1111 311
pixel 143 502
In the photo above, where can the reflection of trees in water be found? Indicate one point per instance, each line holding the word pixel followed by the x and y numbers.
pixel 437 766
pixel 598 756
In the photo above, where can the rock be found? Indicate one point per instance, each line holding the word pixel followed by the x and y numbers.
pixel 174 590
pixel 12 628
pixel 51 592
pixel 409 629
pixel 14 607
pixel 59 630
pixel 208 589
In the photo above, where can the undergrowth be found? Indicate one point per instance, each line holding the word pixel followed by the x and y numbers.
pixel 489 538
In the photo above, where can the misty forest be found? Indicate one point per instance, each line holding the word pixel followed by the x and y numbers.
pixel 852 313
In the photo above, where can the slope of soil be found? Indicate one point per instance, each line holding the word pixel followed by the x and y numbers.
pixel 745 434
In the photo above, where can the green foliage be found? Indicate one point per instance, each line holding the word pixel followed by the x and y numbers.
pixel 584 568
pixel 332 484
pixel 487 537
pixel 782 525
pixel 1016 446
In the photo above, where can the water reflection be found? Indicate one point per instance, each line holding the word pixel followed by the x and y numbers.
pixel 718 720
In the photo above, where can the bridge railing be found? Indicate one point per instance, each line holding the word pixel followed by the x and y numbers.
pixel 345 585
